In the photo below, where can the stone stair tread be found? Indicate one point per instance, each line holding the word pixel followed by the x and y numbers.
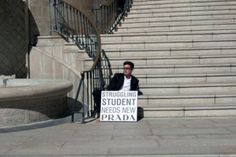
pixel 177 106
pixel 180 20
pixel 162 32
pixel 168 33
pixel 175 57
pixel 175 2
pixel 231 8
pixel 172 48
pixel 188 85
pixel 179 10
pixel 176 16
pixel 183 75
pixel 187 96
pixel 150 58
pixel 172 41
pixel 180 66
pixel 190 107
pixel 227 25
pixel 183 4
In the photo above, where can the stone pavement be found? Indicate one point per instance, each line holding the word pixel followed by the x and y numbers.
pixel 208 137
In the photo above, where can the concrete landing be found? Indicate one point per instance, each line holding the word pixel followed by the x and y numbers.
pixel 208 137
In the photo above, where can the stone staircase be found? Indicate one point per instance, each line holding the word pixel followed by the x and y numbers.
pixel 184 53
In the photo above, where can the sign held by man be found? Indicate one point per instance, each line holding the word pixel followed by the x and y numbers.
pixel 119 106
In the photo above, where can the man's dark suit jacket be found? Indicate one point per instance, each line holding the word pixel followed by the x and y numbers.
pixel 118 80
pixel 116 84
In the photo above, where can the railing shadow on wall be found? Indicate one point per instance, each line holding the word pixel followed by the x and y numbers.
pixel 74 26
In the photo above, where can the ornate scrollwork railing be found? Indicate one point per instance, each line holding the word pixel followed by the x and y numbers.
pixel 74 26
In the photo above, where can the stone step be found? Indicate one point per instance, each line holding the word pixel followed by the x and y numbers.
pixel 159 18
pixel 190 20
pixel 169 32
pixel 188 105
pixel 170 36
pixel 185 100
pixel 169 44
pixel 183 4
pixel 153 27
pixel 157 79
pixel 148 1
pixel 177 60
pixel 179 23
pixel 188 89
pixel 187 12
pixel 181 9
pixel 160 31
pixel 163 52
pixel 180 69
pixel 202 111
pixel 152 2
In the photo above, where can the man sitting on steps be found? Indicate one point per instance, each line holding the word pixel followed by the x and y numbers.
pixel 120 82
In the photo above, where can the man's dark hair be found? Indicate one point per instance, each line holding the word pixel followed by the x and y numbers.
pixel 129 63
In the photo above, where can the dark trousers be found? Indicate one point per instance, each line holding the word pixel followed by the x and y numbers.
pixel 97 100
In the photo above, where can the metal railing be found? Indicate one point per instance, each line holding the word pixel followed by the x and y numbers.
pixel 74 26
pixel 91 82
pixel 108 17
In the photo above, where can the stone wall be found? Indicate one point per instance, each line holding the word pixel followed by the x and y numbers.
pixel 40 12
pixel 20 27
pixel 53 58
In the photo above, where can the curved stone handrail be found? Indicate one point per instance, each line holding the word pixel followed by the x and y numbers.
pixel 33 88
pixel 25 101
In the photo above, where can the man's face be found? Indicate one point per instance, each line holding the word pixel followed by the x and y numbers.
pixel 127 70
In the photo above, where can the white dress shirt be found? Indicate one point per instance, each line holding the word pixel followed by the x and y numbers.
pixel 126 84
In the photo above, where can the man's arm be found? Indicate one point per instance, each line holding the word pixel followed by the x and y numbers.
pixel 135 86
pixel 114 80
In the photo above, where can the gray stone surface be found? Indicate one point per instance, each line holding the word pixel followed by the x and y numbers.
pixel 25 101
pixel 192 137
pixel 172 38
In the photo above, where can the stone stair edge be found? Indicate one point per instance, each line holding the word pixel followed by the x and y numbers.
pixel 183 75
pixel 172 49
pixel 172 41
pixel 165 0
pixel 180 5
pixel 136 11
pixel 163 32
pixel 190 107
pixel 179 66
pixel 174 2
pixel 174 57
pixel 178 20
pixel 188 85
pixel 187 96
pixel 176 15
pixel 177 11
pixel 168 34
pixel 151 0
pixel 180 25
pixel 169 5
